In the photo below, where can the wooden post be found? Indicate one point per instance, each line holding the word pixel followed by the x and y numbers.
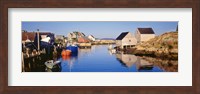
pixel 23 70
pixel 38 39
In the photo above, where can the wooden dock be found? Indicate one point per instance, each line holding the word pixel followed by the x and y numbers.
pixel 34 60
pixel 84 45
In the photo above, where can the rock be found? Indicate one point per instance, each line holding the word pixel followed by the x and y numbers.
pixel 165 46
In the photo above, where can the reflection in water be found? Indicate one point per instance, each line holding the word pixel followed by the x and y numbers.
pixel 147 64
pixel 67 63
pixel 83 52
pixel 141 65
pixel 98 59
pixel 126 59
pixel 144 65
pixel 167 65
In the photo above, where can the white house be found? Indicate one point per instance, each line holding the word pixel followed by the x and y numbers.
pixel 75 35
pixel 71 36
pixel 91 37
pixel 125 40
pixel 144 34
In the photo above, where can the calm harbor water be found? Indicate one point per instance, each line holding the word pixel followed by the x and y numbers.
pixel 100 59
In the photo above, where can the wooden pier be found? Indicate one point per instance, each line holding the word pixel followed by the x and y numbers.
pixel 84 45
pixel 34 60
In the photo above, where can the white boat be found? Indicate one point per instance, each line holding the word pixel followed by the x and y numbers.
pixel 113 51
pixel 110 47
pixel 50 63
pixel 47 39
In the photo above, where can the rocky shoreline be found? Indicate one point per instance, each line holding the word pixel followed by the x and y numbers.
pixel 164 46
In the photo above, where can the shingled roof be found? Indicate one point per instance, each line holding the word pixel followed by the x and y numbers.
pixel 122 35
pixel 146 30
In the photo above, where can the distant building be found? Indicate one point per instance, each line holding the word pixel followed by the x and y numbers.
pixel 77 37
pixel 73 36
pixel 83 39
pixel 60 37
pixel 91 37
pixel 144 34
pixel 125 40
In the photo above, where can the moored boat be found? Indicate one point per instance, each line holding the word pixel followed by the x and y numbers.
pixel 66 53
pixel 110 47
pixel 73 49
pixel 49 64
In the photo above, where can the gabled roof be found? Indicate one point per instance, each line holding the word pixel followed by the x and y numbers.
pixel 83 34
pixel 146 30
pixel 91 36
pixel 77 33
pixel 122 35
pixel 28 35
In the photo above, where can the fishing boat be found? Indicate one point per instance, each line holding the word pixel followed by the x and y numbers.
pixel 66 57
pixel 73 48
pixel 66 53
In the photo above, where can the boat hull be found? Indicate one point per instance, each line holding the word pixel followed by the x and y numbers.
pixel 66 53
pixel 73 49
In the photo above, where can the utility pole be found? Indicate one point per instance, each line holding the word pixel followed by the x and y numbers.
pixel 38 36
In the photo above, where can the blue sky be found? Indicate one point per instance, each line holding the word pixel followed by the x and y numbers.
pixel 98 29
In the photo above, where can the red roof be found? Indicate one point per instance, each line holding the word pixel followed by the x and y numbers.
pixel 28 35
pixel 83 40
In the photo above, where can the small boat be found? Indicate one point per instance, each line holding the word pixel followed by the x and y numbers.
pixel 66 53
pixel 73 49
pixel 113 51
pixel 110 47
pixel 50 63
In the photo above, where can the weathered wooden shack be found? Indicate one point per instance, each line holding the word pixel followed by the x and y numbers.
pixel 144 34
pixel 125 40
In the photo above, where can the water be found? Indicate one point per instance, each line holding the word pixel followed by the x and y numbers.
pixel 100 59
